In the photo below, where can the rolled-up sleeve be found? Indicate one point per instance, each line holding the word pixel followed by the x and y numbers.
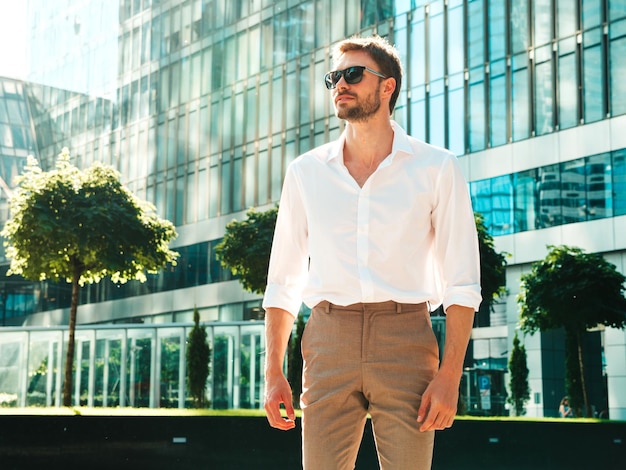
pixel 288 267
pixel 456 239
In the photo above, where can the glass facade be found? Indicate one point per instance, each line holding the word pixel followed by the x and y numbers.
pixel 132 365
pixel 574 191
pixel 202 104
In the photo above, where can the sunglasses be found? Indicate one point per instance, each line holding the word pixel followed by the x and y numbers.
pixel 352 75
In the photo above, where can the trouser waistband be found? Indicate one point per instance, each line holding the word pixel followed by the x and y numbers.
pixel 363 306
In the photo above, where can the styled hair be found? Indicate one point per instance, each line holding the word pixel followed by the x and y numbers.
pixel 384 54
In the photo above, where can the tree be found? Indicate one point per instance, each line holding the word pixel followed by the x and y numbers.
pixel 198 361
pixel 518 384
pixel 82 226
pixel 294 364
pixel 492 265
pixel 576 291
pixel 245 248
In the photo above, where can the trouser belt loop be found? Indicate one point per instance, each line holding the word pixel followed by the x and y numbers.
pixel 398 307
pixel 327 307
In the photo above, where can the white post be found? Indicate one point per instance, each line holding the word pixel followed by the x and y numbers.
pixel 49 373
pixel 123 366
pixel 155 386
pixel 23 368
pixel 131 384
pixel 105 374
pixel 182 369
pixel 92 369
pixel 252 378
pixel 58 387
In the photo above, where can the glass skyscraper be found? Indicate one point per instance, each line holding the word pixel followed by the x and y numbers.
pixel 201 105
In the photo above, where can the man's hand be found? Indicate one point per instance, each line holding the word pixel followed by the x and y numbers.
pixel 438 407
pixel 439 403
pixel 278 325
pixel 278 392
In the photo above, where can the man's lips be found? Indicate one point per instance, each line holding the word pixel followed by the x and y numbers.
pixel 343 97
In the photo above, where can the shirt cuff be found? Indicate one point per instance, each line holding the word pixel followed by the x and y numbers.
pixel 463 296
pixel 278 296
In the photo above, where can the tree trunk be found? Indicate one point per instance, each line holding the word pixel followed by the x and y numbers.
pixel 583 383
pixel 69 358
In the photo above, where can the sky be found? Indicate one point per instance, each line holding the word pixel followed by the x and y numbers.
pixel 13 38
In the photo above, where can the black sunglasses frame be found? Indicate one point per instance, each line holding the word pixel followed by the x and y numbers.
pixel 332 78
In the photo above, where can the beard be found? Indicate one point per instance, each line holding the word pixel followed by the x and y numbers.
pixel 361 111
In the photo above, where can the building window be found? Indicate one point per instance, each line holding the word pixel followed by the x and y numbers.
pixel 619 181
pixel 617 67
pixel 544 99
pixel 498 104
pixel 567 84
pixel 520 99
pixel 593 76
pixel 574 191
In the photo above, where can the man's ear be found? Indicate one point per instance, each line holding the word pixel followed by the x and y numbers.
pixel 389 86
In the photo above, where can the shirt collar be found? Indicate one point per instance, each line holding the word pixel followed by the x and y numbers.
pixel 400 143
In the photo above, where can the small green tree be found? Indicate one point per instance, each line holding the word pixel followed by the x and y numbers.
pixel 294 365
pixel 198 361
pixel 245 248
pixel 576 291
pixel 492 265
pixel 518 384
pixel 80 227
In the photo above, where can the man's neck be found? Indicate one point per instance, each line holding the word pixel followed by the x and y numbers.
pixel 369 142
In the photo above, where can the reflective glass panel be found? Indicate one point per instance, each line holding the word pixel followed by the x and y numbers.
pixel 519 25
pixel 549 196
pixel 593 76
pixel 544 100
pixel 619 181
pixel 497 29
pixel 617 67
pixel 476 33
pixel 566 21
pixel 477 109
pixel 542 16
pixel 567 84
pixel 497 105
pixel 592 13
pixel 525 200
pixel 599 187
pixel 521 104
pixel 223 369
pixel 573 194
pixel 170 372
pixel 456 114
pixel 502 205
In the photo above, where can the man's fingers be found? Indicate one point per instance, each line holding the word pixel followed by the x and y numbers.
pixel 437 419
pixel 291 414
pixel 277 421
pixel 422 413
pixel 274 415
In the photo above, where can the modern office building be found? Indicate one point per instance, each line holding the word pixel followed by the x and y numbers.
pixel 201 105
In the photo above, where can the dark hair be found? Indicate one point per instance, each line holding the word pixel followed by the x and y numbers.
pixel 384 54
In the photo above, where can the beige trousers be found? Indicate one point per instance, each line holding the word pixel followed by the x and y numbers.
pixel 373 358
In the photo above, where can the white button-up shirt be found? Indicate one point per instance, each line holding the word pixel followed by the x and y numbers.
pixel 407 235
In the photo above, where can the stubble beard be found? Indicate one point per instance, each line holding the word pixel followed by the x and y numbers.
pixel 361 111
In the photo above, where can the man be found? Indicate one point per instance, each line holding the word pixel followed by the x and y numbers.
pixel 371 230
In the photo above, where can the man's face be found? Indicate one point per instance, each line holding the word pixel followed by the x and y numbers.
pixel 359 101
